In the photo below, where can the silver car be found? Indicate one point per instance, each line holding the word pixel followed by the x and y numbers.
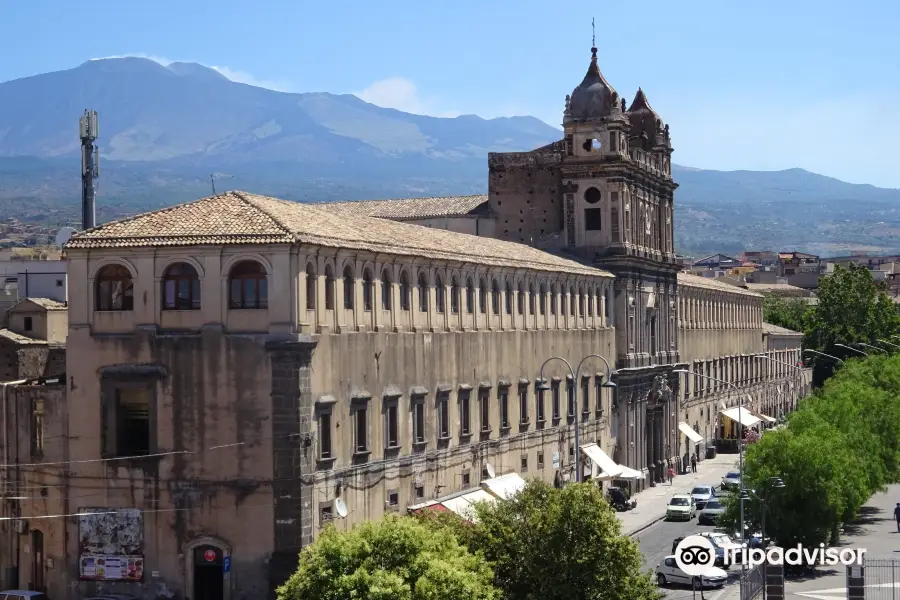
pixel 711 512
pixel 702 494
pixel 731 481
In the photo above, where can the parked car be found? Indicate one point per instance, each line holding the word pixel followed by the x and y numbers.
pixel 681 508
pixel 711 512
pixel 722 543
pixel 702 495
pixel 22 595
pixel 732 481
pixel 667 572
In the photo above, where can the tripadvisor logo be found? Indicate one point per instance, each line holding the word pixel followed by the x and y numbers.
pixel 695 555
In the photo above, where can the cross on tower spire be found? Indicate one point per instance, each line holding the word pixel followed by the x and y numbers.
pixel 593 34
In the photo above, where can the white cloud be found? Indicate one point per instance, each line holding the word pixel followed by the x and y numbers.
pixel 233 75
pixel 402 94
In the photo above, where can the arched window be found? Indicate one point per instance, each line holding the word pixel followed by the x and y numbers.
pixel 181 288
pixel 553 289
pixel 581 302
pixel 607 310
pixel 454 295
pixel 439 294
pixel 590 304
pixel 423 293
pixel 404 291
pixel 386 288
pixel 329 288
pixel 114 289
pixel 542 299
pixel 482 295
pixel 495 298
pixel 470 296
pixel 312 286
pixel 531 299
pixel 367 290
pixel 599 295
pixel 563 302
pixel 249 285
pixel 521 299
pixel 572 302
pixel 509 298
pixel 349 287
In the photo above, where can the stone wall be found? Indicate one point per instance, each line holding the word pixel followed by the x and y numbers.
pixel 27 361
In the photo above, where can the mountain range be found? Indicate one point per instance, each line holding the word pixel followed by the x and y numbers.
pixel 165 129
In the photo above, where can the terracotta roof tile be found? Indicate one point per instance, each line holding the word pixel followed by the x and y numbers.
pixel 778 330
pixel 19 338
pixel 710 283
pixel 45 303
pixel 241 218
pixel 409 208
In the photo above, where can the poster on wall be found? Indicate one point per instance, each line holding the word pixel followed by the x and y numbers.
pixel 106 567
pixel 110 542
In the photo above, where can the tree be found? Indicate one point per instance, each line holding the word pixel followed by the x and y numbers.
pixel 556 544
pixel 790 313
pixel 398 558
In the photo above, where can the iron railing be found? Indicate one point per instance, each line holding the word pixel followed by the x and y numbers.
pixel 882 578
pixel 752 583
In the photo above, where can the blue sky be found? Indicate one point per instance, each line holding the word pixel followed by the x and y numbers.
pixel 761 85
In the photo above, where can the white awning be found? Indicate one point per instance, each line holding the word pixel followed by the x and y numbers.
pixel 767 418
pixel 690 433
pixel 607 465
pixel 504 486
pixel 464 505
pixel 741 415
pixel 628 473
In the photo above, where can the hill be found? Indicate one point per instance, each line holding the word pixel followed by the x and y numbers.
pixel 165 129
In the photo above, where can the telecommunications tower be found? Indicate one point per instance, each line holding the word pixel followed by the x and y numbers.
pixel 90 167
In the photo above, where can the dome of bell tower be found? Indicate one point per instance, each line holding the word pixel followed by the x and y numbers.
pixel 594 98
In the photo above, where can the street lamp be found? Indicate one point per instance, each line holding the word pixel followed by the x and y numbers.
pixel 851 348
pixel 888 343
pixel 576 375
pixel 871 346
pixel 840 361
pixel 782 362
pixel 774 483
pixel 740 433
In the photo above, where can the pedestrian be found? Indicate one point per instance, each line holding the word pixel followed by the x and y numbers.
pixel 671 474
pixel 693 463
pixel 897 516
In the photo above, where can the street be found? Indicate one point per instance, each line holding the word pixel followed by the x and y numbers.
pixel 656 543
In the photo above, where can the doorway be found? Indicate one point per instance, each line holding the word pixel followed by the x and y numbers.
pixel 37 565
pixel 209 574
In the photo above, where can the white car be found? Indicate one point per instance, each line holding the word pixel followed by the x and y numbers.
pixel 681 508
pixel 732 481
pixel 723 545
pixel 667 572
pixel 702 494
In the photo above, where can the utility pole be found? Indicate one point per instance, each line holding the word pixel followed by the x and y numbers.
pixel 90 167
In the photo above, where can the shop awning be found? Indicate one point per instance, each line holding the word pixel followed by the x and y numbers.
pixel 607 465
pixel 690 433
pixel 767 418
pixel 628 473
pixel 741 415
pixel 504 486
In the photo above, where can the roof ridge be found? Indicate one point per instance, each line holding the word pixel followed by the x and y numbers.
pixel 243 196
pixel 398 199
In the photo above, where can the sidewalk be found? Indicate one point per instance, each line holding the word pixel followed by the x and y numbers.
pixel 652 502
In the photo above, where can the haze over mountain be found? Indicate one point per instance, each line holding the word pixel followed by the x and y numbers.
pixel 164 129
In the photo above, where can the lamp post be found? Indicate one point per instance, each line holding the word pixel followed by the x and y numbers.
pixel 782 362
pixel 576 374
pixel 851 348
pixel 889 343
pixel 740 435
pixel 775 483
pixel 871 346
pixel 840 361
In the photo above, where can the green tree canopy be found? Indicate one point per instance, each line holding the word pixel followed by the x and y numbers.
pixel 791 313
pixel 397 558
pixel 556 544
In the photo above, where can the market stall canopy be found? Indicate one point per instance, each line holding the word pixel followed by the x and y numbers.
pixel 628 473
pixel 690 433
pixel 741 415
pixel 608 467
pixel 504 486
pixel 766 417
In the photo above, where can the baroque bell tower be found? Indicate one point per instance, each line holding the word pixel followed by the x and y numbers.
pixel 618 212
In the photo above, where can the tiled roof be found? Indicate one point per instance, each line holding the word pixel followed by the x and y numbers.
pixel 710 283
pixel 45 303
pixel 776 330
pixel 782 288
pixel 241 218
pixel 20 339
pixel 409 208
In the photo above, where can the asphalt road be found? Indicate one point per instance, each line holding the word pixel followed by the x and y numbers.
pixel 656 544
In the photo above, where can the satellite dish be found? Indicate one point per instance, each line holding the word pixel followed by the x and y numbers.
pixel 489 469
pixel 63 235
pixel 340 507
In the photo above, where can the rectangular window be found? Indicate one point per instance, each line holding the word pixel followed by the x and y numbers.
pixel 325 515
pixel 540 460
pixel 539 406
pixel 503 397
pixel 523 404
pixel 614 141
pixel 598 391
pixel 418 413
pixel 570 398
pixel 325 435
pixel 360 429
pixel 37 427
pixel 465 414
pixel 524 462
pixel 28 324
pixel 585 396
pixel 420 491
pixel 466 478
pixel 592 218
pixel 391 423
pixel 614 222
pixel 484 403
pixel 443 409
pixel 393 498
pixel 521 302
pixel 555 400
pixel 132 408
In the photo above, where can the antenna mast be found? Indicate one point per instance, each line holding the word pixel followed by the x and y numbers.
pixel 90 167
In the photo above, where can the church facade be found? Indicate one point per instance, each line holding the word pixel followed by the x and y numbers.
pixel 251 370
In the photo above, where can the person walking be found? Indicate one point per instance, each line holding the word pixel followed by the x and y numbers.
pixel 671 475
pixel 693 463
pixel 897 516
